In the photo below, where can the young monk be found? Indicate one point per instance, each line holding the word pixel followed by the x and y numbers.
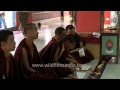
pixel 57 52
pixel 8 66
pixel 26 54
pixel 59 35
pixel 80 43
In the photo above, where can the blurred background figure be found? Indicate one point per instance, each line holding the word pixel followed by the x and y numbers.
pixel 2 20
pixel 39 25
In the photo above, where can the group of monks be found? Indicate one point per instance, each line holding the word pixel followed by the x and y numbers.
pixel 63 48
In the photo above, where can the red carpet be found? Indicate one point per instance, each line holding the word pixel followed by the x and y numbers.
pixel 17 32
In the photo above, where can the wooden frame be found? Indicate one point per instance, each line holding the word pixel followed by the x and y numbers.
pixel 109 45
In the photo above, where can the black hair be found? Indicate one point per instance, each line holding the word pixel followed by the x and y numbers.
pixel 59 30
pixel 69 27
pixel 71 38
pixel 27 27
pixel 4 35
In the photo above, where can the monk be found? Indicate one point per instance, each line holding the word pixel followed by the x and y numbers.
pixel 8 66
pixel 57 52
pixel 59 34
pixel 80 43
pixel 26 55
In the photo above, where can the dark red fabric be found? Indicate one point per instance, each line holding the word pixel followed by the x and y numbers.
pixel 85 59
pixel 52 40
pixel 13 70
pixel 88 56
pixel 78 40
pixel 47 54
pixel 44 72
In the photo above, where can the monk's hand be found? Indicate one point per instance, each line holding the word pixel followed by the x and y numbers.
pixel 72 51
pixel 75 50
pixel 74 62
pixel 71 61
pixel 83 47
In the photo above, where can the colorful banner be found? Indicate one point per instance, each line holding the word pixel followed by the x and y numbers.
pixel 109 45
pixel 10 18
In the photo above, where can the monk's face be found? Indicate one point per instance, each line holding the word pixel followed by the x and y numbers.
pixel 71 31
pixel 34 33
pixel 69 45
pixel 62 36
pixel 10 44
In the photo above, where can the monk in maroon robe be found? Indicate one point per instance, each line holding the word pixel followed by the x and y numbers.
pixel 8 66
pixel 57 52
pixel 80 43
pixel 26 55
pixel 59 35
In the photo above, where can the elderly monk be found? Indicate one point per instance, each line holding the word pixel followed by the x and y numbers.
pixel 26 55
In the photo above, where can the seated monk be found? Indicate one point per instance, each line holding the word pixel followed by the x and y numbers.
pixel 8 66
pixel 59 35
pixel 80 43
pixel 26 55
pixel 57 52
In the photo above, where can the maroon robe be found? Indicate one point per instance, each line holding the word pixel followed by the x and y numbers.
pixel 47 54
pixel 44 73
pixel 13 69
pixel 52 40
pixel 88 56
